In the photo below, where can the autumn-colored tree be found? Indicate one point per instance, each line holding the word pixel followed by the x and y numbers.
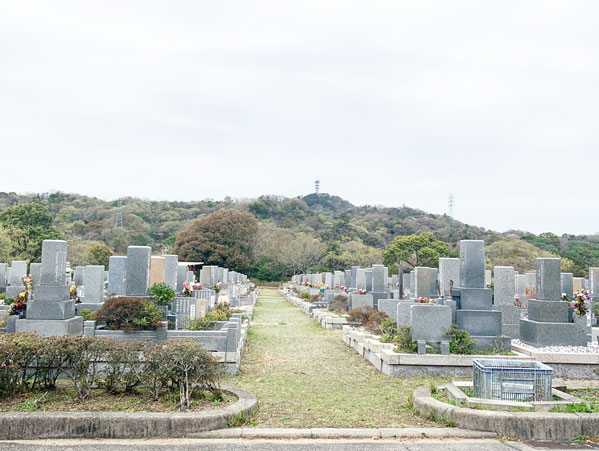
pixel 415 250
pixel 225 238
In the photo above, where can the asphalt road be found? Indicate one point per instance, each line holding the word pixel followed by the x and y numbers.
pixel 280 445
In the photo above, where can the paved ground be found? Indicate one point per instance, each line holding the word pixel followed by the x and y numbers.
pixel 279 445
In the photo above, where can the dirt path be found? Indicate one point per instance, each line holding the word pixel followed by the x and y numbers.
pixel 305 376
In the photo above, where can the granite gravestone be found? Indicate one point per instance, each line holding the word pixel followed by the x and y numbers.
pixel 422 282
pixel 18 271
pixel 93 297
pixel 35 270
pixel 361 300
pixel 79 276
pixel 360 279
pixel 138 270
pixel 354 272
pixel 475 302
pixel 170 270
pixel 567 284
pixel 3 277
pixel 549 318
pixel 117 275
pixel 368 274
pixel 504 289
pixel 52 312
pixel 181 276
pixel 449 269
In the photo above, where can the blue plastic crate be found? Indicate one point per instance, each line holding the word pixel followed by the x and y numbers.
pixel 511 380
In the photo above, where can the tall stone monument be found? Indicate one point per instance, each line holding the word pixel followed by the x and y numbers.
pixel 550 321
pixel 138 270
pixel 52 312
pixel 474 312
pixel 504 288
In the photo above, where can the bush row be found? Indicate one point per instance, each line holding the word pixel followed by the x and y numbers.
pixel 28 362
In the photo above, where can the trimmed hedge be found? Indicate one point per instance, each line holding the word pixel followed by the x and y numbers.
pixel 183 367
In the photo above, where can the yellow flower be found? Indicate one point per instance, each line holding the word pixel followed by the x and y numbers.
pixel 72 288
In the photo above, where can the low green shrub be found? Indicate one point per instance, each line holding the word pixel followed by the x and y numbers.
pixel 163 293
pixel 86 313
pixel 129 314
pixel 183 368
pixel 221 312
pixel 305 295
pixel 404 340
pixel 460 341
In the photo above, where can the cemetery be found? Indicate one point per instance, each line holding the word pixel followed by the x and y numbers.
pixel 454 322
pixel 140 300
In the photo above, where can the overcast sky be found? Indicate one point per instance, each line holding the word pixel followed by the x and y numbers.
pixel 386 102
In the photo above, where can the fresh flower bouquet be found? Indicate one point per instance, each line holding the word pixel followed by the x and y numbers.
pixel 517 302
pixel 186 289
pixel 581 302
pixel 423 300
pixel 362 291
pixel 19 305
pixel 74 295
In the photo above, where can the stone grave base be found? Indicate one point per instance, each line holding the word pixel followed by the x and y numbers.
pixel 541 334
pixel 51 327
pixel 13 291
pixel 486 342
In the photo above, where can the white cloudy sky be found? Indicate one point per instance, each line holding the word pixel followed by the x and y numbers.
pixel 386 102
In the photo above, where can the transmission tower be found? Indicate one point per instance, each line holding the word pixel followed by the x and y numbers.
pixel 451 204
pixel 118 222
pixel 316 186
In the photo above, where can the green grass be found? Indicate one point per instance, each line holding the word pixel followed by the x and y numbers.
pixel 590 404
pixel 305 376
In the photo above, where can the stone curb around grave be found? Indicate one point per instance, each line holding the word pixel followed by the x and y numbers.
pixel 344 433
pixel 123 425
pixel 520 425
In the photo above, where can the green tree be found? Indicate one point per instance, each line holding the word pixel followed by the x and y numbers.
pixel 6 251
pixel 27 226
pixel 225 238
pixel 415 250
pixel 99 255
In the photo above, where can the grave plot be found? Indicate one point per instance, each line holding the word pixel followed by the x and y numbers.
pixel 455 312
pixel 140 298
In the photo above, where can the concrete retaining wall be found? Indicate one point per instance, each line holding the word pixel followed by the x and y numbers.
pixel 521 425
pixel 122 425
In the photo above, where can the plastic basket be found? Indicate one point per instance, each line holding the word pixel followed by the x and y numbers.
pixel 511 380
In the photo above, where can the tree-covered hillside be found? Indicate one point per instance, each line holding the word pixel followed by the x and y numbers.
pixel 343 233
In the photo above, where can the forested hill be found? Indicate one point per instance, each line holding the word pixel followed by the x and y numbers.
pixel 156 223
pixel 352 234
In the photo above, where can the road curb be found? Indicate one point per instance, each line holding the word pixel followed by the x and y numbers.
pixel 344 433
pixel 123 425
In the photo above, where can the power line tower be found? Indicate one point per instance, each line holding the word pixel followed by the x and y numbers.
pixel 118 222
pixel 316 186
pixel 451 204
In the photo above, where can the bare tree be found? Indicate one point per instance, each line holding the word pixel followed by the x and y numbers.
pixel 302 253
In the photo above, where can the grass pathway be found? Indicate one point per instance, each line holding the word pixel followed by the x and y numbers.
pixel 305 376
